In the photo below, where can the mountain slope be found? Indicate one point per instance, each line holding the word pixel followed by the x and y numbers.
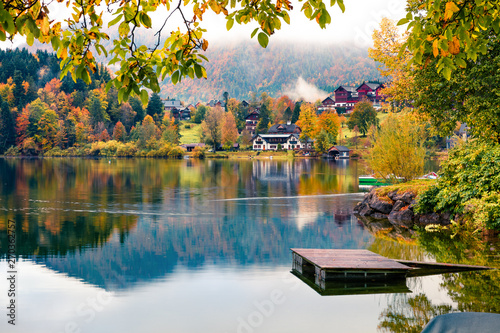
pixel 244 68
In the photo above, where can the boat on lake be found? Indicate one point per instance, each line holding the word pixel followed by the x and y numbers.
pixel 371 180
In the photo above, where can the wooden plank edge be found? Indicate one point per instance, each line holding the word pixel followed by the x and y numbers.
pixel 438 265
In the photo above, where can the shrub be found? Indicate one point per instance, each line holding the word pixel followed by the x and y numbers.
pixel 164 150
pixel 199 152
pixel 176 152
pixel 13 151
pixel 126 150
pixel 468 186
pixel 55 152
pixel 187 126
pixel 71 151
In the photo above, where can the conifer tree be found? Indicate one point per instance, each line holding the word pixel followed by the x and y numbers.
pixel 263 124
pixel 287 115
pixel 155 107
pixel 296 112
pixel 7 127
pixel 136 105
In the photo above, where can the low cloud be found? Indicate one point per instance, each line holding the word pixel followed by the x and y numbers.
pixel 305 91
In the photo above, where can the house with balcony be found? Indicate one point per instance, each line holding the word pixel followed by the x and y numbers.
pixel 274 141
pixel 251 121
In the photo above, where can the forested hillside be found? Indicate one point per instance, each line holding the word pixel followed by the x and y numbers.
pixel 246 67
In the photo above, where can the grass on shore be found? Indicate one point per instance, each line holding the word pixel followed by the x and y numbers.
pixel 416 187
pixel 348 134
pixel 189 135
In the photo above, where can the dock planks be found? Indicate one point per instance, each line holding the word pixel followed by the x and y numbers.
pixel 332 259
pixel 336 271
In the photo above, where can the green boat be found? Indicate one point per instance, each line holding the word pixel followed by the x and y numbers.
pixel 372 181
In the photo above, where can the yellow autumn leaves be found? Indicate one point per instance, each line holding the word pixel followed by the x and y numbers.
pixel 450 9
pixel 453 46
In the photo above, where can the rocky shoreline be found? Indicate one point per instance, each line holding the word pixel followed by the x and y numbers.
pixel 398 208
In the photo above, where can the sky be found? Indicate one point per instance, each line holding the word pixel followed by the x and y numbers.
pixel 355 25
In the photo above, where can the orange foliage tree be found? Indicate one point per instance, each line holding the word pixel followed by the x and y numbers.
pixel 229 130
pixel 119 132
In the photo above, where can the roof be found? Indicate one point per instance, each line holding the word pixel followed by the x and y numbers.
pixel 254 112
pixel 172 103
pixel 326 99
pixel 349 89
pixel 373 85
pixel 339 148
pixel 283 128
pixel 264 136
pixel 193 145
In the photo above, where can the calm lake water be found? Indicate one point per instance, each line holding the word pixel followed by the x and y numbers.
pixel 140 245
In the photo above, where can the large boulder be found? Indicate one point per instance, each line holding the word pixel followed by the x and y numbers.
pixel 403 218
pixel 406 197
pixel 380 205
pixel 398 205
pixel 433 218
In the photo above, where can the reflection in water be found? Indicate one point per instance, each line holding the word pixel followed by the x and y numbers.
pixel 356 287
pixel 114 224
pixel 169 240
pixel 474 291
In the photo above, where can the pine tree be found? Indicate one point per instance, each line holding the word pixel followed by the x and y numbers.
pixel 19 92
pixel 263 124
pixel 136 105
pixel 7 127
pixel 288 114
pixel 296 112
pixel 155 107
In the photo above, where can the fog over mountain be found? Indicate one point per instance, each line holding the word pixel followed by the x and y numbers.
pixel 301 71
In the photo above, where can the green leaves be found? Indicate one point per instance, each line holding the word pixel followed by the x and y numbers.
pixel 175 77
pixel 229 23
pixel 141 66
pixel 469 184
pixel 451 30
pixel 263 39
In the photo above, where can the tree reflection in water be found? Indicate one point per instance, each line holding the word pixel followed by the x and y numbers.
pixel 477 291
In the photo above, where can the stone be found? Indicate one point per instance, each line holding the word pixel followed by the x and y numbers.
pixel 359 206
pixel 380 206
pixel 398 205
pixel 402 218
pixel 379 216
pixel 426 219
pixel 366 211
pixel 392 195
pixel 408 197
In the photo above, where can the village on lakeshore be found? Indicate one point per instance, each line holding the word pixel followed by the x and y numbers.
pixel 286 135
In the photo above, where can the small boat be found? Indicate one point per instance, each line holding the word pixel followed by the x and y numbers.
pixel 372 181
pixel 430 175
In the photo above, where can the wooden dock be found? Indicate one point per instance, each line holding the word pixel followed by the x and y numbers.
pixel 363 265
pixel 329 264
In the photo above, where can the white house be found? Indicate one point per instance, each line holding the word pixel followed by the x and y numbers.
pixel 271 141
